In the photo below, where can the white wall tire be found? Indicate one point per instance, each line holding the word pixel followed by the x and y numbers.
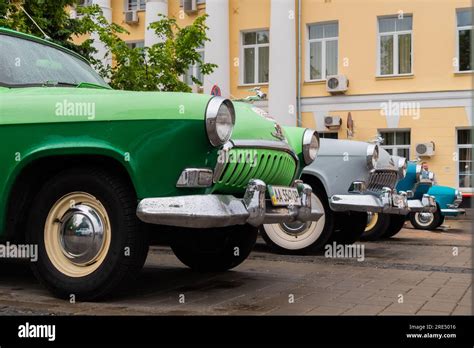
pixel 298 236
pixel 426 221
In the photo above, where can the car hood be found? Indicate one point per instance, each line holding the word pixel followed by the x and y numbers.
pixel 66 104
pixel 353 148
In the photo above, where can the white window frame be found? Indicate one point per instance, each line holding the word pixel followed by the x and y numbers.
pixel 196 67
pixel 396 147
pixel 256 46
pixel 458 29
pixel 395 35
pixel 323 52
pixel 138 8
pixel 462 146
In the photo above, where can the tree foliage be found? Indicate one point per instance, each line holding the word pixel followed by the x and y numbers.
pixel 159 67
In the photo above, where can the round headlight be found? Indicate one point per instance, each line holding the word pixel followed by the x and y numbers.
pixel 372 156
pixel 310 145
pixel 220 120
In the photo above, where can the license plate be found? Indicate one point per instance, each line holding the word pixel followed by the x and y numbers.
pixel 284 196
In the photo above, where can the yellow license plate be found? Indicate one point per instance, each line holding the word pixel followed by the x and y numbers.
pixel 284 196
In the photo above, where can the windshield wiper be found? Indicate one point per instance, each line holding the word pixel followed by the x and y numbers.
pixel 70 84
pixel 51 83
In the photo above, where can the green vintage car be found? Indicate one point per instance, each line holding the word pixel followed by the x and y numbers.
pixel 88 172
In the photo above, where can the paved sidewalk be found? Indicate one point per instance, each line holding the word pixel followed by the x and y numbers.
pixel 418 272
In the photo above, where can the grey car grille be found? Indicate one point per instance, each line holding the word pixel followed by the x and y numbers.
pixel 382 178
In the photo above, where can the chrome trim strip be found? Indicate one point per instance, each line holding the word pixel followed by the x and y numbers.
pixel 454 211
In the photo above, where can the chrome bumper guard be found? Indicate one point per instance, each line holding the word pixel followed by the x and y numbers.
pixel 426 205
pixel 207 211
pixel 387 202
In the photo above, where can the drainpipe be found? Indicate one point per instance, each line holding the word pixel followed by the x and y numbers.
pixel 298 88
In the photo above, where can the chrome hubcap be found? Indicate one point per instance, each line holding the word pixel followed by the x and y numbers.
pixel 81 234
pixel 425 218
pixel 295 228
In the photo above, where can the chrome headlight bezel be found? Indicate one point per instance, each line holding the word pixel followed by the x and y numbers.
pixel 373 153
pixel 213 113
pixel 311 144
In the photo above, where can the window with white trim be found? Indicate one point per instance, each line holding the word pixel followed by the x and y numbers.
pixel 194 70
pixel 256 55
pixel 465 146
pixel 322 50
pixel 395 45
pixel 464 37
pixel 396 143
pixel 133 5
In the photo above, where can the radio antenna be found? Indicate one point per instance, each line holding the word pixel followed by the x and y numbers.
pixel 39 28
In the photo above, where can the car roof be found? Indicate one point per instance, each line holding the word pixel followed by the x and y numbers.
pixel 30 37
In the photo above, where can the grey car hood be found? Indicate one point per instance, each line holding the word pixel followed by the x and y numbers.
pixel 341 162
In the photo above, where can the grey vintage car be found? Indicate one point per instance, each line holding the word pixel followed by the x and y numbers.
pixel 349 179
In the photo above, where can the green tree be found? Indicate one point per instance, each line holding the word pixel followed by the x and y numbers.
pixel 159 67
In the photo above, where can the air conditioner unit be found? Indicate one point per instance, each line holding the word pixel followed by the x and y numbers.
pixel 425 149
pixel 190 6
pixel 332 122
pixel 337 84
pixel 131 17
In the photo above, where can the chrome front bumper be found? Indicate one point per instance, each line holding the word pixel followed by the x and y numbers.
pixel 207 211
pixel 426 205
pixel 388 202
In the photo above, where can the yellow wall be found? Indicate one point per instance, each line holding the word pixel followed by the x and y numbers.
pixel 434 42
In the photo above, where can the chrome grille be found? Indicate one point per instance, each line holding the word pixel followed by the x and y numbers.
pixel 382 178
pixel 272 166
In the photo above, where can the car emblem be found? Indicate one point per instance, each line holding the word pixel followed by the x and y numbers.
pixel 278 133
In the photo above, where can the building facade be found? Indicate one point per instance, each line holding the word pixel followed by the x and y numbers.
pixel 407 64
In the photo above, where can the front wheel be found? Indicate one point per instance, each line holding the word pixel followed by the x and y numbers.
pixel 426 221
pixel 214 249
pixel 89 239
pixel 300 237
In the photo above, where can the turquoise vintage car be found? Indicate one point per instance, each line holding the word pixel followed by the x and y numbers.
pixel 87 172
pixel 422 182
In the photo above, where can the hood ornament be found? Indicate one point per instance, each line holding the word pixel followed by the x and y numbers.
pixel 278 133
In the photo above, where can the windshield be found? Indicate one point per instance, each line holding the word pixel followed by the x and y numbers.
pixel 25 63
